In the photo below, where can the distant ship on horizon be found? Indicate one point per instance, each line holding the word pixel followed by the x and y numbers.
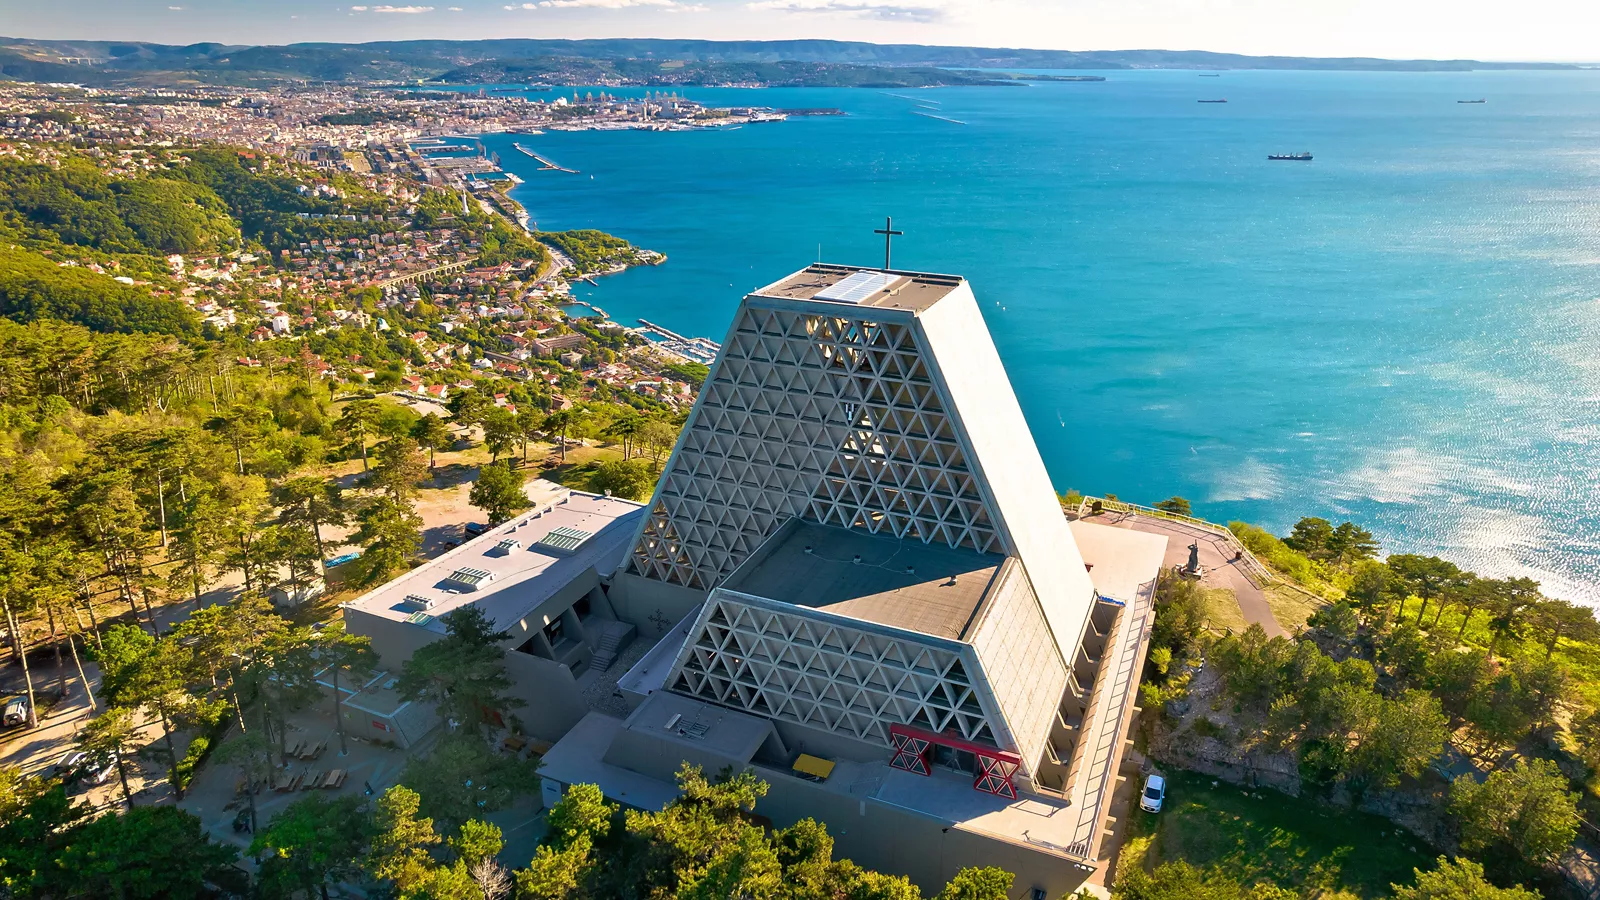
pixel 1212 101
pixel 1296 157
pixel 1210 74
pixel 1472 101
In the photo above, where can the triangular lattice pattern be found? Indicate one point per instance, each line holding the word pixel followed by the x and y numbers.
pixel 845 680
pixel 994 775
pixel 910 752
pixel 834 419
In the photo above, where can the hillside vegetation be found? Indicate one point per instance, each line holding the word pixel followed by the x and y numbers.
pixel 838 63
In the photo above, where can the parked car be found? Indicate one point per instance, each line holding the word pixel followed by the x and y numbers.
pixel 343 558
pixel 15 712
pixel 476 528
pixel 1155 791
pixel 82 766
pixel 67 768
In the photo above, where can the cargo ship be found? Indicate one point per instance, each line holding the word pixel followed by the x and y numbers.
pixel 1296 157
pixel 1472 101
pixel 1213 101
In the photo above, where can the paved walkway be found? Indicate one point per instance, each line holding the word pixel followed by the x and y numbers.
pixel 1216 558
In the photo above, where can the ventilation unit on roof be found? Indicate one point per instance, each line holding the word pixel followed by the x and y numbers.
pixel 418 602
pixel 562 541
pixel 470 579
pixel 506 546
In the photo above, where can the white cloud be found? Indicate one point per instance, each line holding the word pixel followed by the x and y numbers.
pixel 525 6
pixel 455 9
pixel 889 10
pixel 664 5
pixel 358 9
pixel 175 8
pixel 405 10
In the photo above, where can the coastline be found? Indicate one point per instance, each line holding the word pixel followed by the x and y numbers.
pixel 687 349
pixel 1230 397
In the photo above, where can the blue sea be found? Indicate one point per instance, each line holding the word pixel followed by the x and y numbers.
pixel 1404 332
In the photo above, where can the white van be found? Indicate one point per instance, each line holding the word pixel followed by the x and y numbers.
pixel 15 712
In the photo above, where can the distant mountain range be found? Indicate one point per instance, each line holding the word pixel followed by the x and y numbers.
pixel 633 61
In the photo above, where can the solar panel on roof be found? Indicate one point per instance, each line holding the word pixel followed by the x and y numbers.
pixel 857 287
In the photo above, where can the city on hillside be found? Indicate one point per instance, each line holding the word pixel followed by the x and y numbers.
pixel 350 548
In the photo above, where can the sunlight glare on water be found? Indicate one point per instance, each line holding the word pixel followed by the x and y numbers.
pixel 1400 332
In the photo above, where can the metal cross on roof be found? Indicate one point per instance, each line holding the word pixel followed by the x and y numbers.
pixel 888 233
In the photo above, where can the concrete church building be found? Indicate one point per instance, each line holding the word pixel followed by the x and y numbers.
pixel 855 579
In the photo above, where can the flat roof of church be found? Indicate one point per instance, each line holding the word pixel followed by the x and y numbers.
pixel 513 567
pixel 913 291
pixel 931 589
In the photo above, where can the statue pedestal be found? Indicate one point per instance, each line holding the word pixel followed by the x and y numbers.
pixel 1192 568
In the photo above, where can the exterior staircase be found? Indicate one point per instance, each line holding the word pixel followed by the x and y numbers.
pixel 613 637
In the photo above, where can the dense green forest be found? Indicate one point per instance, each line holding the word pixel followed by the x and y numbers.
pixel 1410 656
pixel 32 287
pixel 195 200
pixel 267 198
pixel 75 203
pixel 590 250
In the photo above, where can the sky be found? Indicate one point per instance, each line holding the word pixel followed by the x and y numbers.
pixel 1528 30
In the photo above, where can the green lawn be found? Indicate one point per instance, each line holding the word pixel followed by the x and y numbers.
pixel 1323 851
pixel 1222 610
pixel 578 472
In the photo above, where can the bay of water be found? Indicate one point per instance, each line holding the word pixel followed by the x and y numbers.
pixel 1402 332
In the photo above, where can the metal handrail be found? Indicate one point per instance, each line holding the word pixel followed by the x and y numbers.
pixel 1253 564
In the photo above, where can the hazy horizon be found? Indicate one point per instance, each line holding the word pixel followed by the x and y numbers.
pixel 1543 30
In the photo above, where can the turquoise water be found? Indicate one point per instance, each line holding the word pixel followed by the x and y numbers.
pixel 1402 332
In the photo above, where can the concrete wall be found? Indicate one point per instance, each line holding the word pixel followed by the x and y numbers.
pixel 891 839
pixel 553 606
pixel 659 757
pixel 394 642
pixel 648 604
pixel 875 834
pixel 552 701
pixel 828 745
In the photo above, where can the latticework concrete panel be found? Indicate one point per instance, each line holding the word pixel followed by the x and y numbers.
pixel 809 669
pixel 832 418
